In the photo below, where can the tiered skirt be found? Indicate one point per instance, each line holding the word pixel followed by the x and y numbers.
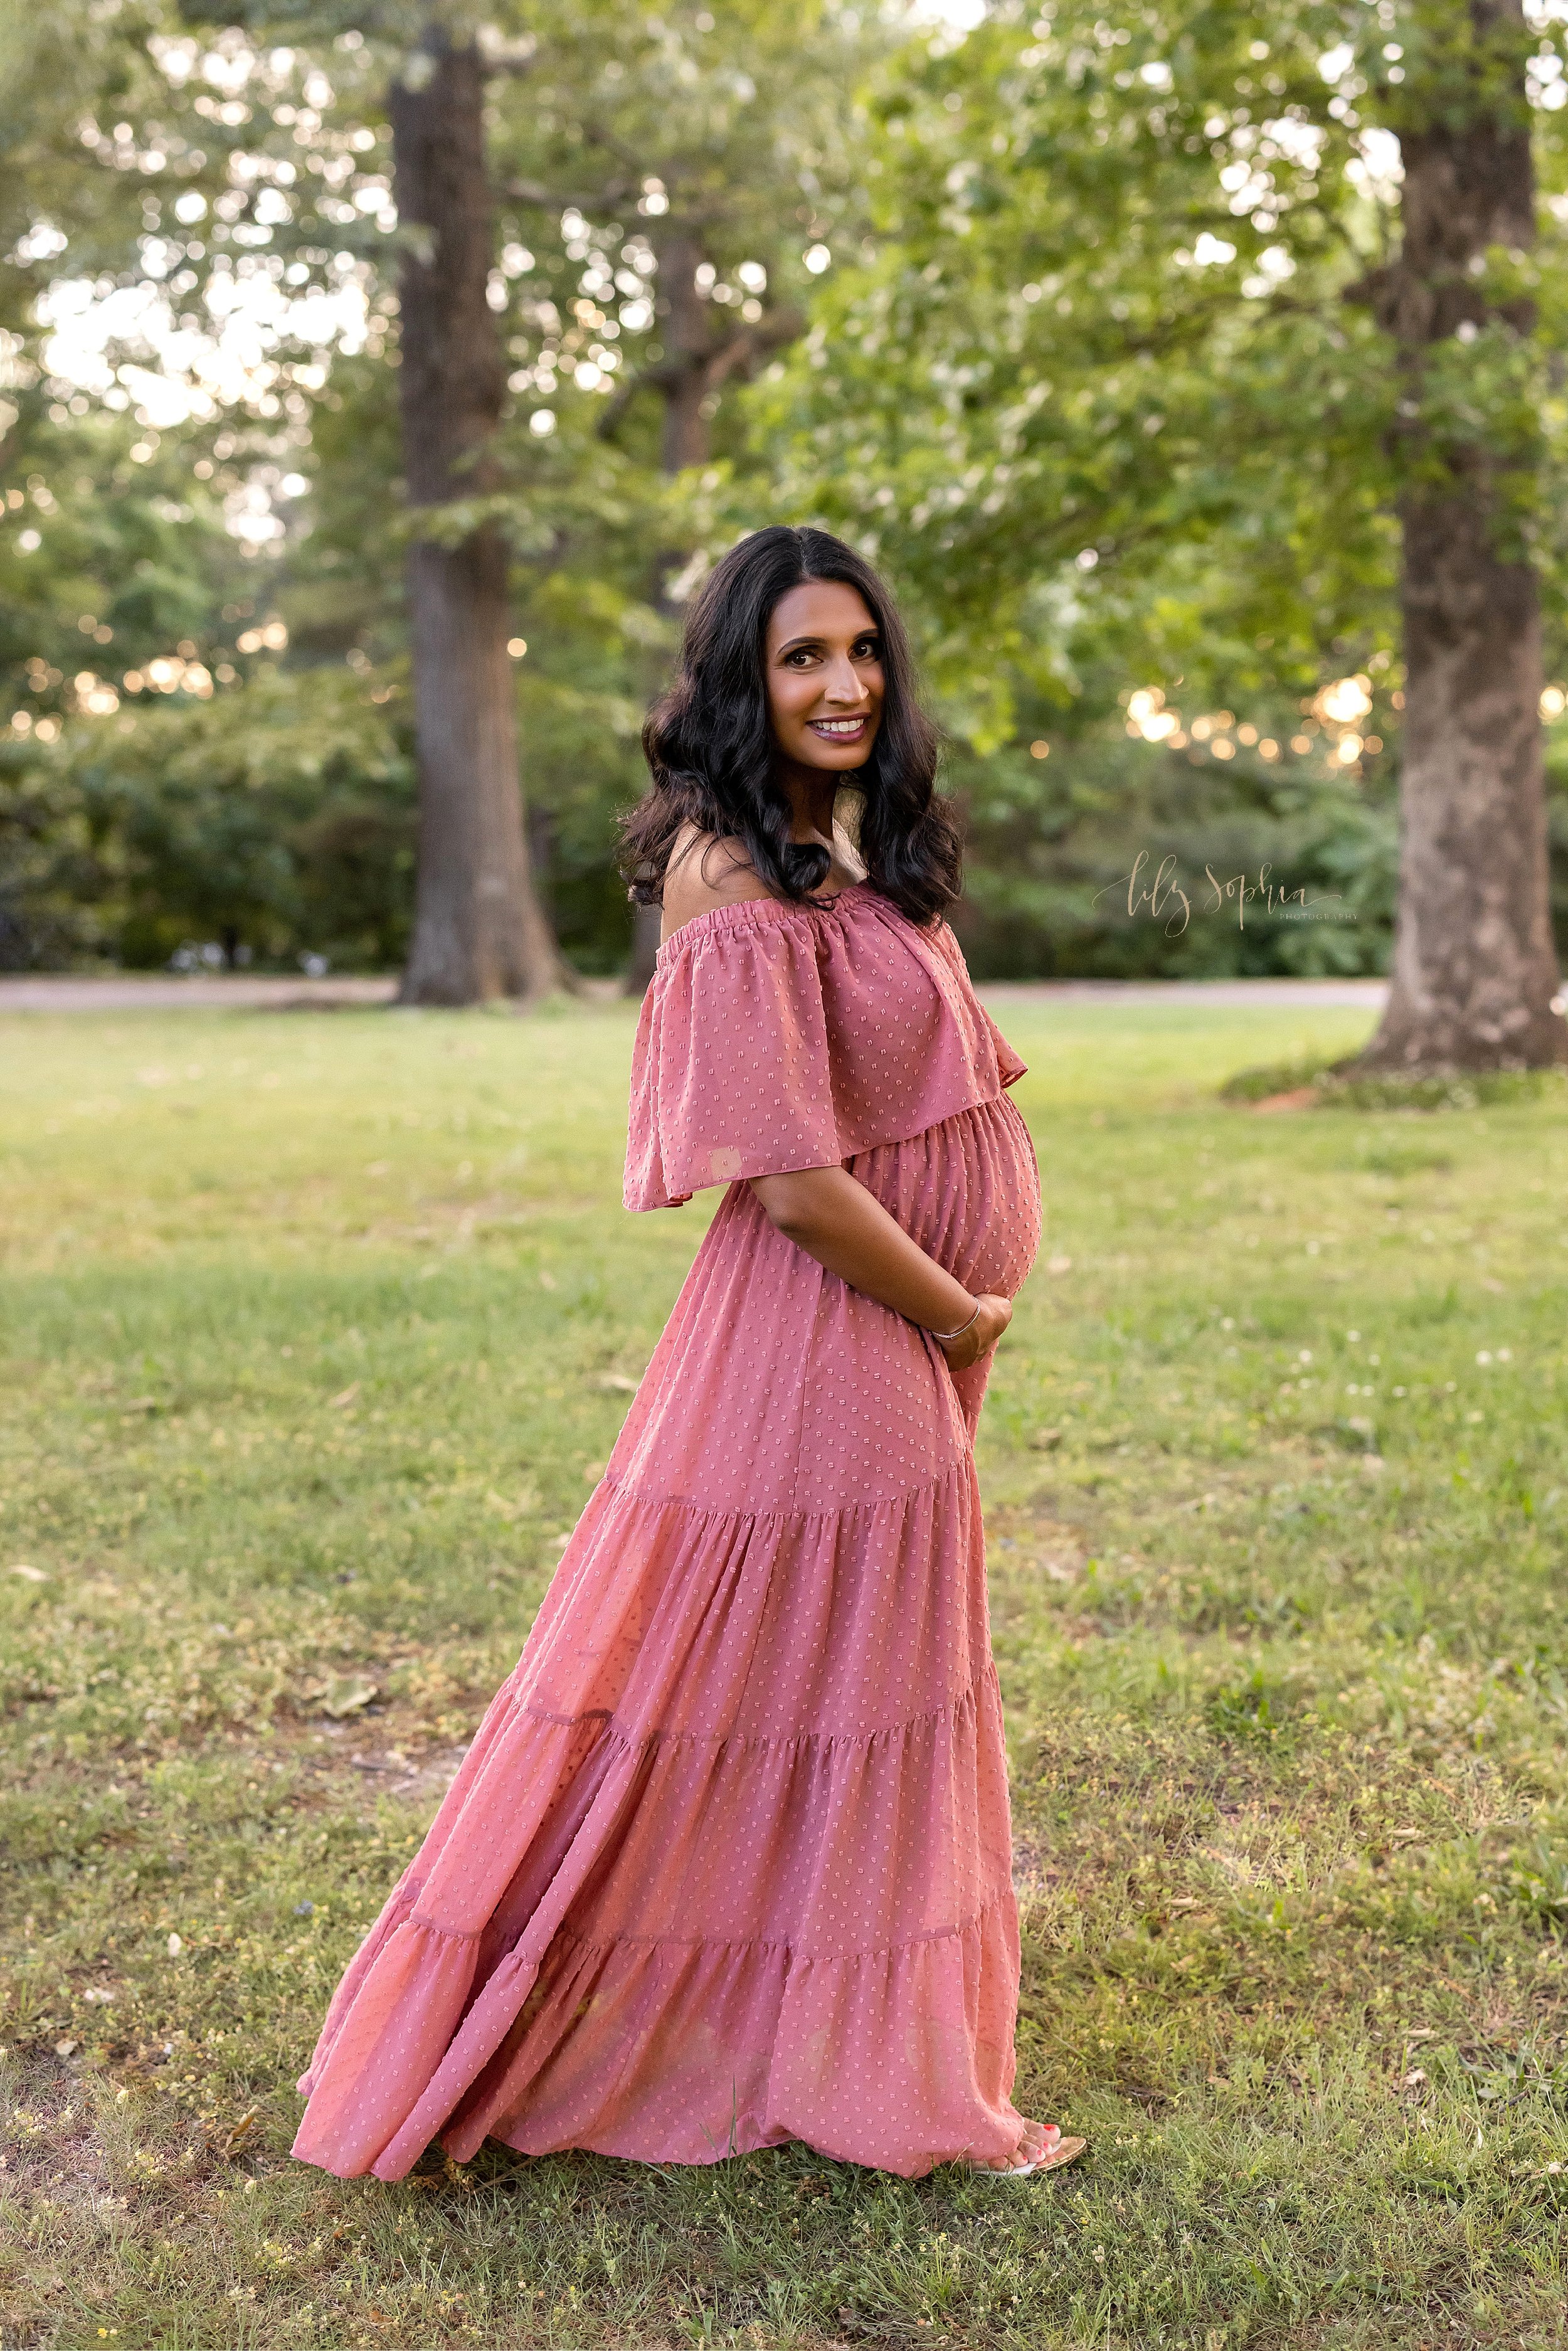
pixel 729 1862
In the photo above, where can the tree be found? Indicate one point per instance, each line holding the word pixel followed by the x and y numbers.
pixel 479 930
pixel 274 161
pixel 120 591
pixel 717 144
pixel 728 136
pixel 1474 969
pixel 1117 391
pixel 273 821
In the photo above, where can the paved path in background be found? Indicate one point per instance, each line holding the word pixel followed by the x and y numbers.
pixel 1371 993
pixel 166 991
pixel 239 992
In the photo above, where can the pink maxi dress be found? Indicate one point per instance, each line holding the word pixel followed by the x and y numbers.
pixel 729 1862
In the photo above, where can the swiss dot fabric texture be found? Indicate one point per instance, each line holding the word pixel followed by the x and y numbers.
pixel 774 1038
pixel 729 1862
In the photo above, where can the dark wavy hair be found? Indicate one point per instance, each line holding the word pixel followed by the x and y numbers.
pixel 709 742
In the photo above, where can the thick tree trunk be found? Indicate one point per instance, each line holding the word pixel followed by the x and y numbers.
pixel 479 931
pixel 1475 970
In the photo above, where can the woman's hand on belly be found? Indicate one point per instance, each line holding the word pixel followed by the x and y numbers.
pixel 826 1212
pixel 995 1314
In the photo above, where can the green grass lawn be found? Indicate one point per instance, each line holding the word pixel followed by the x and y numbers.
pixel 317 1331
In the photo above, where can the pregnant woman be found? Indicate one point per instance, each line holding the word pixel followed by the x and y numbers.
pixel 728 1863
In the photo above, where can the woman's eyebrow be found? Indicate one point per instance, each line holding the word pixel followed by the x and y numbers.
pixel 793 645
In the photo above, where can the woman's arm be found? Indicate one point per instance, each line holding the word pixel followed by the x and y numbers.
pixel 834 1219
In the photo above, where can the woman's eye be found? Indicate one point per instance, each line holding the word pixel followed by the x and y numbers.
pixel 867 650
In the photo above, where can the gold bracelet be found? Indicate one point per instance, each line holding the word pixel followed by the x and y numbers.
pixel 941 1337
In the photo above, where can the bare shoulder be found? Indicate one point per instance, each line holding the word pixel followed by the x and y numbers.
pixel 704 873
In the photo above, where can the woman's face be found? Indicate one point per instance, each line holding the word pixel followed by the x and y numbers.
pixel 823 659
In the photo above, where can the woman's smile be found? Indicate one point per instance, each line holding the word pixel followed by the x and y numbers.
pixel 825 684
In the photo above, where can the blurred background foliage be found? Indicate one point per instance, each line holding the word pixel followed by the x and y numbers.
pixel 1049 313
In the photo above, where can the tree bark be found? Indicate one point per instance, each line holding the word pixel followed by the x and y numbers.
pixel 479 930
pixel 1475 969
pixel 691 349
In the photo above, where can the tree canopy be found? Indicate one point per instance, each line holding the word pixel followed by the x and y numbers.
pixel 1077 320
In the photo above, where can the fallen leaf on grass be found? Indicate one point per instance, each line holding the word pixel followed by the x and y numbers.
pixel 619 1381
pixel 33 1575
pixel 233 2141
pixel 345 1396
pixel 1045 1440
pixel 64 2048
pixel 347 1695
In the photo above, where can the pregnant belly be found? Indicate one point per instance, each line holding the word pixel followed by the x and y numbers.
pixel 968 1191
pixel 778 1388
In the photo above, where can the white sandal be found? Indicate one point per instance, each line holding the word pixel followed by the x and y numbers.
pixel 1065 2150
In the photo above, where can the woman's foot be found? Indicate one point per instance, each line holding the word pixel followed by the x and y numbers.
pixel 1040 2148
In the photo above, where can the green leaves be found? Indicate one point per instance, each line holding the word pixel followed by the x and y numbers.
pixel 1106 327
pixel 1094 369
pixel 277 817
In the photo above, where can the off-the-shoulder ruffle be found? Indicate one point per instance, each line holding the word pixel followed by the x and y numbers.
pixel 750 914
pixel 776 1037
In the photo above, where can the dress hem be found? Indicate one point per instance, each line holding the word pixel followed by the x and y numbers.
pixel 473 2102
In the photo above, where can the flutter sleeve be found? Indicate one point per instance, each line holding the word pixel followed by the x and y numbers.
pixel 1011 1067
pixel 730 1073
